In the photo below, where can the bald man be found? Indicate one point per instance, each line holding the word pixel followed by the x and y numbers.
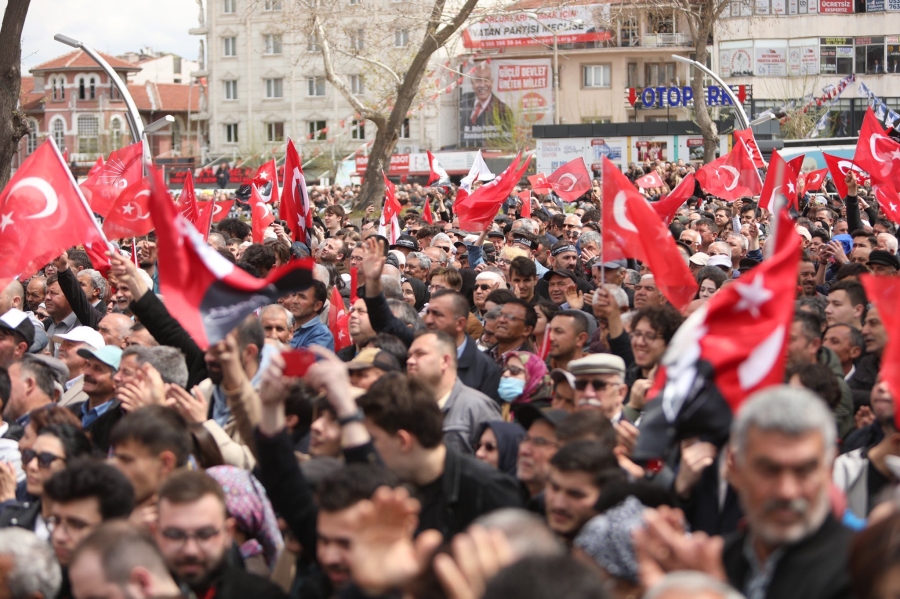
pixel 115 329
pixel 12 297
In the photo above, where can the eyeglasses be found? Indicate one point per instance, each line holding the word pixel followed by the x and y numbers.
pixel 597 384
pixel 433 288
pixel 505 316
pixel 648 337
pixel 488 446
pixel 539 442
pixel 203 535
pixel 45 458
pixel 483 287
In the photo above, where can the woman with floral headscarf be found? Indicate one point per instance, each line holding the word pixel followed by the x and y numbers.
pixel 256 528
pixel 523 377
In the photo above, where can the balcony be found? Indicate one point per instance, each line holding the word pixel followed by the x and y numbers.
pixel 666 40
pixel 202 30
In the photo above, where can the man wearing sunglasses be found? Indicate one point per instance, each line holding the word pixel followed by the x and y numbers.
pixel 600 384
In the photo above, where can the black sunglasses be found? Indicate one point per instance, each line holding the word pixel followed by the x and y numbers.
pixel 597 384
pixel 45 458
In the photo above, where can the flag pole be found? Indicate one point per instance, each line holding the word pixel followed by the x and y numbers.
pixel 84 201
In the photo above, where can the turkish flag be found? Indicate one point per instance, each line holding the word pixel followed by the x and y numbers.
pixel 667 207
pixel 427 216
pixel 476 212
pixel 96 252
pixel 571 180
pixel 889 200
pixel 96 168
pixel 877 153
pixel 814 180
pixel 650 180
pixel 188 201
pixel 130 215
pixel 266 181
pixel 338 320
pixel 295 198
pixel 260 215
pixel 123 168
pixel 781 179
pixel 42 213
pixel 204 292
pixel 746 136
pixel 731 177
pixel 220 210
pixel 839 167
pixel 632 229
pixel 437 174
pixel 884 292
pixel 389 226
pixel 539 183
pixel 525 196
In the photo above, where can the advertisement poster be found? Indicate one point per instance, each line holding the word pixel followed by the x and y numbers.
pixel 736 62
pixel 803 60
pixel 614 149
pixel 690 147
pixel 572 24
pixel 651 148
pixel 835 7
pixel 779 7
pixel 892 5
pixel 553 153
pixel 762 7
pixel 874 5
pixel 502 95
pixel 771 61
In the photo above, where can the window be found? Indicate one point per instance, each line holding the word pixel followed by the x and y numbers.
pixel 229 6
pixel 114 92
pixel 82 91
pixel 93 89
pixel 661 23
pixel 312 43
pixel 596 119
pixel 54 94
pixel 630 32
pixel 401 38
pixel 837 56
pixel 176 136
pixel 59 134
pixel 596 75
pixel 632 75
pixel 272 5
pixel 659 73
pixel 275 132
pixel 356 85
pixel 231 92
pixel 115 133
pixel 870 55
pixel 176 64
pixel 273 43
pixel 357 39
pixel 315 86
pixel 358 129
pixel 32 138
pixel 317 130
pixel 88 138
pixel 275 88
pixel 404 129
pixel 230 46
pixel 231 133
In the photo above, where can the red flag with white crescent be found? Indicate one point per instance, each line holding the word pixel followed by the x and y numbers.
pixel 188 201
pixel 220 210
pixel 571 181
pixel 877 153
pixel 476 211
pixel 389 226
pixel 746 136
pixel 427 216
pixel 668 206
pixel 123 168
pixel 525 196
pixel 814 180
pixel 260 215
pixel 295 198
pixel 781 179
pixel 730 177
pixel 130 215
pixel 338 320
pixel 839 167
pixel 266 181
pixel 650 180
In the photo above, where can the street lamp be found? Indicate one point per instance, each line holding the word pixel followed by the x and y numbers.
pixel 739 109
pixel 572 25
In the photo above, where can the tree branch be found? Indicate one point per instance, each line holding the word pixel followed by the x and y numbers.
pixel 391 71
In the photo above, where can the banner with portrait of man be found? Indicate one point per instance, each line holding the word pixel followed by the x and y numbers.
pixel 501 96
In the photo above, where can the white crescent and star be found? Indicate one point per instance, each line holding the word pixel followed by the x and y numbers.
pixel 873 148
pixel 619 213
pixel 753 296
pixel 52 202
pixel 570 176
pixel 761 360
pixel 5 221
pixel 733 171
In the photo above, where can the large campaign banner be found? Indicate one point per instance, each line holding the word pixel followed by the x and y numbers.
pixel 572 24
pixel 501 96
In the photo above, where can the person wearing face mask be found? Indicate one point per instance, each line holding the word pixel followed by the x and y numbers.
pixel 524 377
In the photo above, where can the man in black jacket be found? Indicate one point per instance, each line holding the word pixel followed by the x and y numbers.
pixel 195 535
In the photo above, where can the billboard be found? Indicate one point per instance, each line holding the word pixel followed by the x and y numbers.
pixel 502 95
pixel 770 61
pixel 572 24
pixel 836 7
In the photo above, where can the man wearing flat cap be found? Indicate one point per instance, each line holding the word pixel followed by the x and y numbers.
pixel 600 384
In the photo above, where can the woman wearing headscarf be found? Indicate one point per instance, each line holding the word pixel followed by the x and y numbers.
pixel 523 377
pixel 256 528
pixel 498 445
pixel 415 293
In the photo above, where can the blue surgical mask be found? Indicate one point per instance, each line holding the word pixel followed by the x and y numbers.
pixel 510 388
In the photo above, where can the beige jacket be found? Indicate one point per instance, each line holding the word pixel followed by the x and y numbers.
pixel 236 438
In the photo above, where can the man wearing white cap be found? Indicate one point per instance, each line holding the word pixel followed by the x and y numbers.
pixel 600 384
pixel 16 336
pixel 68 345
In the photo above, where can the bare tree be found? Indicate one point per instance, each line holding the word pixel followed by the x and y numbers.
pixel 394 75
pixel 13 125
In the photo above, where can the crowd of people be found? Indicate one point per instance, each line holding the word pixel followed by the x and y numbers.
pixel 469 434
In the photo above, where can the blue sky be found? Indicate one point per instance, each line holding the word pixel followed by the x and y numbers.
pixel 110 26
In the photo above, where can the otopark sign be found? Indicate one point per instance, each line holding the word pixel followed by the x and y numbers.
pixel 674 96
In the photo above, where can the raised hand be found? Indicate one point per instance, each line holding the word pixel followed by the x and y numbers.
pixel 478 554
pixel 696 456
pixel 193 406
